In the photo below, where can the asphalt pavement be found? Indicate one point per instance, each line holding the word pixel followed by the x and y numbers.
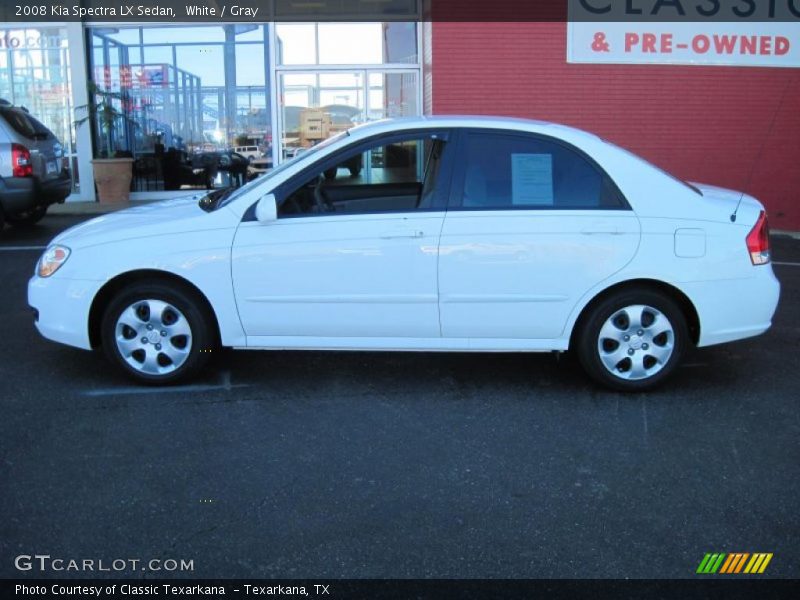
pixel 373 465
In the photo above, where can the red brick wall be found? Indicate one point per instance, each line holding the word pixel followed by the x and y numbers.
pixel 709 124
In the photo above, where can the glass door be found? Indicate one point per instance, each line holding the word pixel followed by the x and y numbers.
pixel 316 105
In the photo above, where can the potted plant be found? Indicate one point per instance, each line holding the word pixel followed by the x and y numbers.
pixel 113 168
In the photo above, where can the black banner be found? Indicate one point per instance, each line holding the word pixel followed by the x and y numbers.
pixel 216 11
pixel 705 588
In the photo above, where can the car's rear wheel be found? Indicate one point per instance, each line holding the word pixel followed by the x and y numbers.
pixel 156 333
pixel 28 217
pixel 632 340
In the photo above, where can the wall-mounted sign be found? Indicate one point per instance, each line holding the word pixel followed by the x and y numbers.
pixel 28 38
pixel 749 44
pixel 152 76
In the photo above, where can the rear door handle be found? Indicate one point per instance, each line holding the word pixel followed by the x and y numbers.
pixel 601 228
pixel 402 233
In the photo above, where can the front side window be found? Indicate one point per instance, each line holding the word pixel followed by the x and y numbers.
pixel 503 171
pixel 393 176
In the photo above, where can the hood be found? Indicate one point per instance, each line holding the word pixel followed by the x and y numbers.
pixel 177 215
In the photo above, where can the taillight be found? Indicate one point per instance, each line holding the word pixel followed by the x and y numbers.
pixel 21 165
pixel 758 241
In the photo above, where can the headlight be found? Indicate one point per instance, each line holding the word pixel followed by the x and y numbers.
pixel 52 259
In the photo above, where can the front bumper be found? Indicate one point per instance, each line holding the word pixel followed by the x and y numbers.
pixel 62 307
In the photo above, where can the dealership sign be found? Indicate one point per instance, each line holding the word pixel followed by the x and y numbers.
pixel 753 44
pixel 742 33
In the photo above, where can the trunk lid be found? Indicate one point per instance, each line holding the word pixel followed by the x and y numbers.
pixel 726 201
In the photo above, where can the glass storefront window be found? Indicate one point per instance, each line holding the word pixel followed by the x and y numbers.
pixel 332 76
pixel 251 71
pixel 296 43
pixel 158 54
pixel 34 73
pixel 193 94
pixel 182 35
pixel 354 43
pixel 393 95
pixel 206 62
pixel 346 43
pixel 250 33
pixel 189 92
pixel 317 106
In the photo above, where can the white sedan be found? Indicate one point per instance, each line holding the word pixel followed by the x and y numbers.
pixel 467 234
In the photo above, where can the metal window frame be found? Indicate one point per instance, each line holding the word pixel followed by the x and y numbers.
pixel 276 70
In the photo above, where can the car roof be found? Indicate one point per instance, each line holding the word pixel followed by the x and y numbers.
pixel 468 121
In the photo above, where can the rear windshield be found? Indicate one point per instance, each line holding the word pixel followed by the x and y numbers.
pixel 24 124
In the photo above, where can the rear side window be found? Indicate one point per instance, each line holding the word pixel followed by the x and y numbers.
pixel 502 171
pixel 24 124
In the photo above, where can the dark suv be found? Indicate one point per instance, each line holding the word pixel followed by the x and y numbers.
pixel 32 171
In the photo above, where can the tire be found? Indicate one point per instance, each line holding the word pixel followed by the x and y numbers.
pixel 157 333
pixel 633 340
pixel 28 218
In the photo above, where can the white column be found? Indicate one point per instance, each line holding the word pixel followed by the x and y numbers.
pixel 79 77
pixel 274 97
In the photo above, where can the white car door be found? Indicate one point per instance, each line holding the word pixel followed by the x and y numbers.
pixel 353 253
pixel 533 225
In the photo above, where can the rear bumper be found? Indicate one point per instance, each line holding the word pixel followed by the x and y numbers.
pixel 56 190
pixel 20 194
pixel 61 308
pixel 747 310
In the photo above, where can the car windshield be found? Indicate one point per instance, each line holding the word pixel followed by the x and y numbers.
pixel 216 200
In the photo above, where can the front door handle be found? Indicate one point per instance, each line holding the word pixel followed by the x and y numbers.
pixel 402 233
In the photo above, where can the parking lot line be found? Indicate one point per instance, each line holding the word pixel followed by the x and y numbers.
pixel 20 248
pixel 120 391
pixel 224 384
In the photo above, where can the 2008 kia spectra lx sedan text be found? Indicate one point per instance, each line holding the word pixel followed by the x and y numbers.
pixel 456 233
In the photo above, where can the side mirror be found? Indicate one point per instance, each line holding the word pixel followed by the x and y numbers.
pixel 267 209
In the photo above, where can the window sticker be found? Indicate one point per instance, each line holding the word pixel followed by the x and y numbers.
pixel 532 179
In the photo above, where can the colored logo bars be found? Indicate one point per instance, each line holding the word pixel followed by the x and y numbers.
pixel 734 562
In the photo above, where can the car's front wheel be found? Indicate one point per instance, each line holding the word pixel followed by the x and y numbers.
pixel 632 340
pixel 156 333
